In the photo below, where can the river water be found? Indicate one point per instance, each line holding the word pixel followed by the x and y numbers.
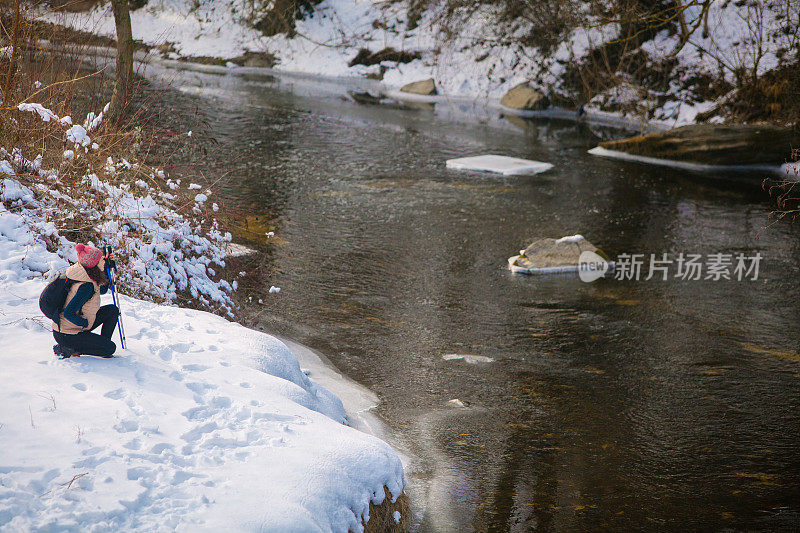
pixel 623 405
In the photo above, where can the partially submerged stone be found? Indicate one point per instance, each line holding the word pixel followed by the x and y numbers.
pixel 256 229
pixel 424 87
pixel 499 164
pixel 525 98
pixel 550 256
pixel 713 144
pixel 366 97
pixel 255 59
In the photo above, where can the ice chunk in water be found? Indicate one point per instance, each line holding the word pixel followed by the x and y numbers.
pixel 500 164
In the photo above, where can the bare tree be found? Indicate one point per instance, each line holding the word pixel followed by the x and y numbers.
pixel 689 24
pixel 11 53
pixel 124 73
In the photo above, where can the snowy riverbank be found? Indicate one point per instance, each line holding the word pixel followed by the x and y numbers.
pixel 481 61
pixel 199 424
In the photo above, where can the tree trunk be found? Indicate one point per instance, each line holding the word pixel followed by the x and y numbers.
pixel 124 73
pixel 11 70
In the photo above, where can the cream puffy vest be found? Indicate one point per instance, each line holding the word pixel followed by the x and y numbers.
pixel 88 311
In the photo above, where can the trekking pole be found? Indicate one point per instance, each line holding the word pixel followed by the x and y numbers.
pixel 113 264
pixel 119 318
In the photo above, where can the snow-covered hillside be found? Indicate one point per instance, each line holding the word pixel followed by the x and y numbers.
pixel 482 59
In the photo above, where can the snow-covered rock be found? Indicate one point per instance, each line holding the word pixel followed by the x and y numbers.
pixel 545 256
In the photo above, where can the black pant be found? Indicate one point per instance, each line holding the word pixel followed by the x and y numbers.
pixel 92 343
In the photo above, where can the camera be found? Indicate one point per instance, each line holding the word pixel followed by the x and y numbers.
pixel 107 251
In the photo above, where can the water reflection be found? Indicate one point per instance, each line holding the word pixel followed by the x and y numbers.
pixel 616 405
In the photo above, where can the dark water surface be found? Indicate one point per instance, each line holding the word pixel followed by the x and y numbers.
pixel 622 405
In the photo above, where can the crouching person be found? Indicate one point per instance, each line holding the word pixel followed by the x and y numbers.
pixel 82 312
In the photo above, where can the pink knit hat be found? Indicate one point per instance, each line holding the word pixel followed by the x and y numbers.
pixel 88 256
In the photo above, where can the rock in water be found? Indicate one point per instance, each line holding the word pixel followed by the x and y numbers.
pixel 525 98
pixel 551 255
pixel 366 97
pixel 424 87
pixel 714 144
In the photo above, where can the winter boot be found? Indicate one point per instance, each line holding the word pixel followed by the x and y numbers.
pixel 62 352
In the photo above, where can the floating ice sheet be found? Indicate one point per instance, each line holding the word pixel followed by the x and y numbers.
pixel 469 358
pixel 500 164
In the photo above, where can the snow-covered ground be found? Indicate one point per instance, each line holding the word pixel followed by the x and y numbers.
pixel 481 61
pixel 201 424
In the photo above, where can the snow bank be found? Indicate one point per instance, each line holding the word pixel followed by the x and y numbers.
pixel 791 170
pixel 201 424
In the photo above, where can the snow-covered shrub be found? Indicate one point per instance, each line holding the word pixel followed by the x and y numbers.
pixel 164 253
pixel 82 181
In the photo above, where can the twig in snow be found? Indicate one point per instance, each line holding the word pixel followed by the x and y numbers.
pixel 71 481
pixel 48 396
pixel 31 413
pixel 67 483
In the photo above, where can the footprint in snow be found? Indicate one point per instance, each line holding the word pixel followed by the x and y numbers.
pixel 91 461
pixel 220 402
pixel 165 353
pixel 195 368
pixel 200 388
pixel 137 473
pixel 134 444
pixel 41 485
pixel 116 394
pixel 180 476
pixel 144 332
pixel 93 450
pixel 160 447
pixel 195 434
pixel 126 426
pixel 198 413
pixel 80 386
pixel 181 347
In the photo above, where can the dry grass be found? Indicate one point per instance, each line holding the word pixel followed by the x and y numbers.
pixel 381 517
pixel 61 78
